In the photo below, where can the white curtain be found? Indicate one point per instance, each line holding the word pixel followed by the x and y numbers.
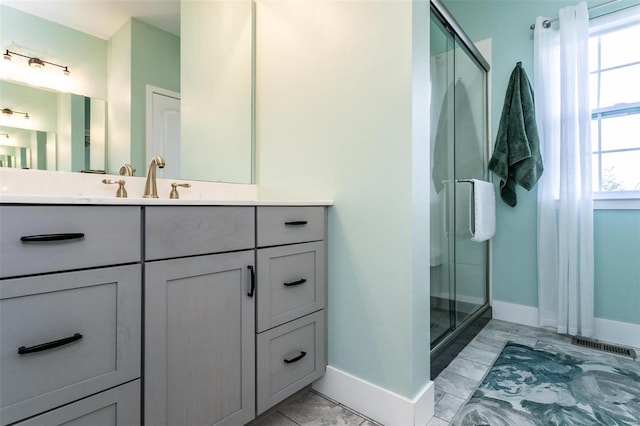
pixel 565 202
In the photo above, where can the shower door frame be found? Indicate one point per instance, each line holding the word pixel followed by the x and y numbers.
pixel 450 24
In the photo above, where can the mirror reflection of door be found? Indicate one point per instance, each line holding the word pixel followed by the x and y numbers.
pixel 163 130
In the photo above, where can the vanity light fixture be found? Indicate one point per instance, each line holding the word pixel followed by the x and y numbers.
pixel 35 62
pixel 9 112
pixel 6 135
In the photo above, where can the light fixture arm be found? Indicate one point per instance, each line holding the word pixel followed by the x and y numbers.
pixel 9 112
pixel 35 60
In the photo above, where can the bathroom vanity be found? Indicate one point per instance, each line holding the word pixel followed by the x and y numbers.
pixel 159 312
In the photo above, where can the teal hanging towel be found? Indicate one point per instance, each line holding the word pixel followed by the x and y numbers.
pixel 516 156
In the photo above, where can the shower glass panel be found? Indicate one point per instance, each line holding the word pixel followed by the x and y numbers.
pixel 470 135
pixel 459 152
pixel 442 153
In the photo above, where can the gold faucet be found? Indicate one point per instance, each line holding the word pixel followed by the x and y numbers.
pixel 127 170
pixel 150 188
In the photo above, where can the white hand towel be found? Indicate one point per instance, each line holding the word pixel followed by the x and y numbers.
pixel 483 226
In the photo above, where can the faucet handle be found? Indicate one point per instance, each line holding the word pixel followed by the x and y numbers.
pixel 174 189
pixel 127 169
pixel 121 192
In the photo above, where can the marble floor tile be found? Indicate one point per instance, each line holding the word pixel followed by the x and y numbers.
pixel 311 409
pixel 478 355
pixel 487 344
pixel 447 407
pixel 274 419
pixel 589 354
pixel 455 384
pixel 438 394
pixel 505 336
pixel 467 368
pixel 437 422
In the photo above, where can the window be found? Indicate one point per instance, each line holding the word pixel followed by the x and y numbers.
pixel 614 65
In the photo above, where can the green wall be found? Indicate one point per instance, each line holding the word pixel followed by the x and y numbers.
pixel 507 23
pixel 617 265
pixel 341 97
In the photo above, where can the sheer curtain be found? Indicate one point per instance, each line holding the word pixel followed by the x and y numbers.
pixel 565 203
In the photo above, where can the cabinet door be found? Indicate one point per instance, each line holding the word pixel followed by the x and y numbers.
pixel 199 341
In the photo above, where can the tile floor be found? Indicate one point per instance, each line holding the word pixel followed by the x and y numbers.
pixel 452 387
pixel 459 380
pixel 313 409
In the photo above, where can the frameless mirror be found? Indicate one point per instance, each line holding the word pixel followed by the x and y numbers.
pixel 62 131
pixel 206 134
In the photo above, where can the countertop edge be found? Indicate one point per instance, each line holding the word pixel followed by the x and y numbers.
pixel 79 200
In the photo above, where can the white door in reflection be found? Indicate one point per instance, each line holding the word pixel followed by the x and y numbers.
pixel 163 130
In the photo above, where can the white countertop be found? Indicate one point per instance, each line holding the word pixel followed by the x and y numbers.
pixel 52 199
pixel 44 187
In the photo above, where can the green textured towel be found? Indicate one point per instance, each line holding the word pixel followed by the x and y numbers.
pixel 516 156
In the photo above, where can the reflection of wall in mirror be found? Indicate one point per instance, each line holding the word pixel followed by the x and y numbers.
pixel 67 115
pixel 148 55
pixel 85 55
pixel 216 125
pixel 28 149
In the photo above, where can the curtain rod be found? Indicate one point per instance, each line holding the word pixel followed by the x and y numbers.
pixel 547 22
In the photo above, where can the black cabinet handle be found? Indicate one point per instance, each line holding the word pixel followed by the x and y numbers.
pixel 298 358
pixel 253 281
pixel 52 237
pixel 291 284
pixel 22 350
pixel 296 223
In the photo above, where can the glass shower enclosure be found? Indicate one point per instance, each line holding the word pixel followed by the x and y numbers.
pixel 459 153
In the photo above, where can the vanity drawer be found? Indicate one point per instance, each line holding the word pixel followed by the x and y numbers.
pixel 98 236
pixel 291 283
pixel 191 230
pixel 289 358
pixel 286 225
pixel 99 308
pixel 116 407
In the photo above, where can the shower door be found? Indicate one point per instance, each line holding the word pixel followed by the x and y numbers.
pixel 459 152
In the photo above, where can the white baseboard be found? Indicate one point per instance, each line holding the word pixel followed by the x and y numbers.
pixel 621 333
pixel 376 402
pixel 520 314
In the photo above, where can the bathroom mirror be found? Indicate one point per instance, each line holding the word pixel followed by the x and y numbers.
pixel 215 125
pixel 63 131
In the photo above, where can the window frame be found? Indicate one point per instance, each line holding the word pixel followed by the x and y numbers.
pixel 616 199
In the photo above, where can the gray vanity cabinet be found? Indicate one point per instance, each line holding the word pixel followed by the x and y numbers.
pixel 70 315
pixel 200 317
pixel 291 331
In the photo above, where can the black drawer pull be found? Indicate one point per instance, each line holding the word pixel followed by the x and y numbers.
pixel 52 237
pixel 253 281
pixel 291 284
pixel 296 223
pixel 22 350
pixel 298 358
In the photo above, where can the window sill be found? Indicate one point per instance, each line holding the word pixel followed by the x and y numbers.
pixel 627 200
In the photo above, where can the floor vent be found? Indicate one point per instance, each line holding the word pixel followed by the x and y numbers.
pixel 605 347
